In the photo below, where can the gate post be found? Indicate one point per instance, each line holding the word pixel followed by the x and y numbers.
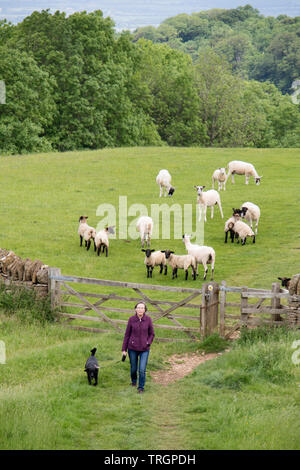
pixel 54 287
pixel 209 309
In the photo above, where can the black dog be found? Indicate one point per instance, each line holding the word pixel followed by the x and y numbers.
pixel 91 367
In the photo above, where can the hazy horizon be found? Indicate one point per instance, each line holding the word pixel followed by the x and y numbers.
pixel 132 14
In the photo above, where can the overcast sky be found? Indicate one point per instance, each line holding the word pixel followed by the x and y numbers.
pixel 130 14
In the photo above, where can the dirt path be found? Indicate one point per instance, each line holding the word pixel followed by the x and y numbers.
pixel 180 365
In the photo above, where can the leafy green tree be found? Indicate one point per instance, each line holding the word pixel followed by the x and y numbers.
pixel 29 108
pixel 175 104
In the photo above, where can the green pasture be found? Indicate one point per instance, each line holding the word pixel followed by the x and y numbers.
pixel 43 196
pixel 248 398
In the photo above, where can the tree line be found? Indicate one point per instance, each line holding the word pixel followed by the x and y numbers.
pixel 73 83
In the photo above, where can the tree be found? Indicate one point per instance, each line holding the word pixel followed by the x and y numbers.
pixel 29 108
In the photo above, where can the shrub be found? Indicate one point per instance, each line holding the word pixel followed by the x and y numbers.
pixel 26 305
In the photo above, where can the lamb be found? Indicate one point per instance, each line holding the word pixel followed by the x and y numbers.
pixel 86 232
pixel 241 229
pixel 145 227
pixel 203 254
pixel 180 262
pixel 42 276
pixel 154 258
pixel 228 221
pixel 101 240
pixel 251 212
pixel 163 179
pixel 16 269
pixel 242 168
pixel 220 176
pixel 208 199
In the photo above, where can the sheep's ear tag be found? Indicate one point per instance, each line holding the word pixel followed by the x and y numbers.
pixel 210 287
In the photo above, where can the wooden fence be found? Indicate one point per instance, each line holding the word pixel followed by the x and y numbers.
pixel 256 313
pixel 193 319
pixel 198 314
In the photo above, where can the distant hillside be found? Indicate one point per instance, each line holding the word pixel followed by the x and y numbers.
pixel 256 47
pixel 136 13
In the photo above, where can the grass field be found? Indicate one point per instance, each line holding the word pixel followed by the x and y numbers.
pixel 247 398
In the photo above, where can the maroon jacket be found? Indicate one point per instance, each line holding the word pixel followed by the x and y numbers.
pixel 139 334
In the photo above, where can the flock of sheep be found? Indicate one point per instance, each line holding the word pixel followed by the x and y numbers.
pixel 196 254
pixel 19 269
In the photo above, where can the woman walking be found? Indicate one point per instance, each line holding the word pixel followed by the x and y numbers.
pixel 138 337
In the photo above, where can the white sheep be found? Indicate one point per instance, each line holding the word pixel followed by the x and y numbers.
pixel 163 179
pixel 242 168
pixel 145 227
pixel 101 240
pixel 86 232
pixel 203 254
pixel 208 199
pixel 181 262
pixel 220 176
pixel 251 212
pixel 154 258
pixel 241 230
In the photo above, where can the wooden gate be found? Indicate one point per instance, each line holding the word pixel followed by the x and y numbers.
pixel 195 315
pixel 251 313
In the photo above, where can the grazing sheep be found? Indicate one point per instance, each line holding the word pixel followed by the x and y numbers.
pixel 145 226
pixel 86 232
pixel 154 258
pixel 241 229
pixel 220 176
pixel 203 254
pixel 180 262
pixel 163 179
pixel 208 199
pixel 242 168
pixel 251 212
pixel 101 240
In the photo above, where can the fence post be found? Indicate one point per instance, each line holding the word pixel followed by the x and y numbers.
pixel 275 302
pixel 222 308
pixel 210 308
pixel 203 311
pixel 54 287
pixel 244 304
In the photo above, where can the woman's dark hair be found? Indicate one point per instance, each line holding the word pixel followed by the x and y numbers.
pixel 139 304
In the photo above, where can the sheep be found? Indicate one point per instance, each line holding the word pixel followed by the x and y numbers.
pixel 241 229
pixel 242 168
pixel 145 226
pixel 292 284
pixel 220 176
pixel 208 199
pixel 101 240
pixel 180 262
pixel 203 254
pixel 251 212
pixel 228 221
pixel 154 258
pixel 163 179
pixel 86 232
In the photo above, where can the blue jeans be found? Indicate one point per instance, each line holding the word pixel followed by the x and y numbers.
pixel 133 356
